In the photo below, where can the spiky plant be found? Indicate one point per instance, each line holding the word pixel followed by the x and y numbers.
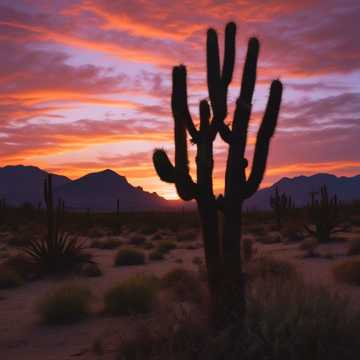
pixel 57 252
pixel 222 246
pixel 324 215
pixel 281 205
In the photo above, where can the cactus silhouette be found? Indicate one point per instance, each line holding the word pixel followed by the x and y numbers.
pixel 222 246
pixel 281 204
pixel 118 207
pixel 324 214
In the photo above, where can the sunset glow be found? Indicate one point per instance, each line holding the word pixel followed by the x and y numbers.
pixel 85 85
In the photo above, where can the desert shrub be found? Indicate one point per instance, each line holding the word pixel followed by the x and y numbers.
pixel 353 247
pixel 9 278
pixel 65 305
pixel 137 240
pixel 309 246
pixel 129 256
pixel 348 272
pixel 167 338
pixel 105 244
pixel 184 285
pixel 156 255
pixel 266 267
pixel 248 249
pixel 286 320
pixel 63 254
pixel 165 246
pixel 291 320
pixel 135 295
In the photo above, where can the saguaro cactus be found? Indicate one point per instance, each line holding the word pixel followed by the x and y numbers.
pixel 222 252
pixel 49 203
pixel 281 204
pixel 324 214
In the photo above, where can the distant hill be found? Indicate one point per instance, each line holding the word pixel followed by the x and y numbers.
pixel 346 188
pixel 99 191
pixel 20 184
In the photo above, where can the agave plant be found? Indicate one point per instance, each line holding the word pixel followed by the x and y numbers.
pixel 63 254
pixel 57 252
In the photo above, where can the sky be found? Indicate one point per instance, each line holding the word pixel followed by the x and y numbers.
pixel 85 85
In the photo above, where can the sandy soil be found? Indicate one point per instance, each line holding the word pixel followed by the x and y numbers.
pixel 23 337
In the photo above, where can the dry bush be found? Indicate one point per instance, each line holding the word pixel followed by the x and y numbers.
pixel 286 320
pixel 128 256
pixel 65 305
pixel 269 267
pixel 184 285
pixel 135 295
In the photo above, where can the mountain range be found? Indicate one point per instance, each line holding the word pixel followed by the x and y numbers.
pixel 100 190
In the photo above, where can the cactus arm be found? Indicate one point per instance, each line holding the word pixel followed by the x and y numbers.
pixel 163 166
pixel 179 100
pixel 204 111
pixel 265 133
pixel 218 83
pixel 249 72
pixel 229 54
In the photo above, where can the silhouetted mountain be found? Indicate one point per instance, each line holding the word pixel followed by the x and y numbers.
pixel 100 191
pixel 346 188
pixel 20 184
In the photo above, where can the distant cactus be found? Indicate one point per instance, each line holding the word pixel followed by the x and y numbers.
pixel 118 207
pixel 222 246
pixel 282 205
pixel 324 214
pixel 2 209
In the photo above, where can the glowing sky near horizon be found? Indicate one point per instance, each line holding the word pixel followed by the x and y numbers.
pixel 85 84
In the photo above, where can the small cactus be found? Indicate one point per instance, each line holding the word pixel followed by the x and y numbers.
pixel 281 204
pixel 324 214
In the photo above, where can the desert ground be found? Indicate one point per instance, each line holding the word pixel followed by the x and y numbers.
pixel 24 336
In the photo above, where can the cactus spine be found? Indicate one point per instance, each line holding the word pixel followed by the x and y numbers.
pixel 281 204
pixel 222 246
